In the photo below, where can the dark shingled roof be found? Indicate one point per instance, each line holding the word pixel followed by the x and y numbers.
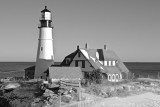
pixel 33 67
pixel 65 73
pixel 72 55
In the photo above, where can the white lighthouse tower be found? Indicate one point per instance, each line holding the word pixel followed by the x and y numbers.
pixel 45 56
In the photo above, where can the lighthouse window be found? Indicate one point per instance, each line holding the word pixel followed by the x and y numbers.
pixel 42 15
pixel 41 48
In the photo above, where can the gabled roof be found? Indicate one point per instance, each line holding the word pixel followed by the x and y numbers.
pixel 96 55
pixel 69 56
pixel 65 72
pixel 56 64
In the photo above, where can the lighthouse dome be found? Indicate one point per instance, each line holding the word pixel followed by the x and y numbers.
pixel 45 10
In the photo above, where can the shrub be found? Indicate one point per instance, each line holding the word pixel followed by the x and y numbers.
pixel 66 99
pixel 122 92
pixel 22 96
pixel 4 102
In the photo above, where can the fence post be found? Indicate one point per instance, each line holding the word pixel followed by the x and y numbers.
pixel 80 93
pixel 60 94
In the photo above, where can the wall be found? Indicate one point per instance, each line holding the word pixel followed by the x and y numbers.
pixel 80 59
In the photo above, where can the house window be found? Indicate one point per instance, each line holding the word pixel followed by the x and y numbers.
pixel 117 77
pixel 113 77
pixel 120 76
pixel 76 63
pixel 67 60
pixel 113 63
pixel 79 54
pixel 109 63
pixel 105 63
pixel 109 77
pixel 83 64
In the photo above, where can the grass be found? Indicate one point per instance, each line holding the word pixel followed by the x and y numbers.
pixel 122 89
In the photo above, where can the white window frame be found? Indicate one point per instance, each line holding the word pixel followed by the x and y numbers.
pixel 105 63
pixel 109 77
pixel 109 63
pixel 120 76
pixel 113 77
pixel 117 77
pixel 113 63
pixel 97 55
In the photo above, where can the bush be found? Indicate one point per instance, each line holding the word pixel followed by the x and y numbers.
pixel 4 102
pixel 66 99
pixel 22 96
pixel 122 92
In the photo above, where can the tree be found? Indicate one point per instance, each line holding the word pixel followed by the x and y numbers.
pixel 96 76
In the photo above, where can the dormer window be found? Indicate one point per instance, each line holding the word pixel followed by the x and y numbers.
pixel 105 63
pixel 67 60
pixel 113 63
pixel 110 63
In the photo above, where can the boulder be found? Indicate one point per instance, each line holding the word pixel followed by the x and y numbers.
pixel 11 86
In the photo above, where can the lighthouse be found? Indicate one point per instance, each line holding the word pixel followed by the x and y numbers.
pixel 45 56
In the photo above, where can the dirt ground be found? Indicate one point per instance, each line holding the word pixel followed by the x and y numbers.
pixel 141 94
pixel 143 100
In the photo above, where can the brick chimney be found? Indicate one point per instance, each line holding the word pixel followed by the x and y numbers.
pixel 86 45
pixel 77 47
pixel 105 47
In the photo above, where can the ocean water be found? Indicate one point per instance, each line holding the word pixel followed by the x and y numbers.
pixel 14 66
pixel 144 69
pixel 17 68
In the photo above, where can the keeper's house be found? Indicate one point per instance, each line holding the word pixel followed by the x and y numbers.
pixel 110 65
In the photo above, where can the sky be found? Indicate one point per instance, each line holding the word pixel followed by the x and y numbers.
pixel 129 27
